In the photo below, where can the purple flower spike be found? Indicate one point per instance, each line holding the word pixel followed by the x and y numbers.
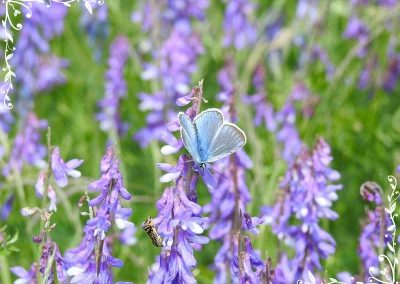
pixel 308 196
pixel 230 195
pixel 7 207
pixel 61 169
pixel 37 67
pixel 27 147
pixel 357 30
pixel 92 260
pixel 178 221
pixel 239 32
pixel 247 265
pixel 109 115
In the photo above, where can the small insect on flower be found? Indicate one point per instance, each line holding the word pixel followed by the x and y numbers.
pixel 151 230
pixel 209 138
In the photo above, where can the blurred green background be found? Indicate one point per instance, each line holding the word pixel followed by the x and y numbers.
pixel 362 127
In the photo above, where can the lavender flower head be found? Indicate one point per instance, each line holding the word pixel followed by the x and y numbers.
pixel 37 68
pixel 92 259
pixel 230 196
pixel 357 30
pixel 179 221
pixel 177 62
pixel 27 148
pixel 29 277
pixel 60 171
pixel 308 196
pixel 239 32
pixel 109 115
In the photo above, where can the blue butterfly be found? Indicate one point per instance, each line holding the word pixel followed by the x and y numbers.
pixel 208 138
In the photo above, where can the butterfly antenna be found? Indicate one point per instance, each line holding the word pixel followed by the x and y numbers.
pixel 219 173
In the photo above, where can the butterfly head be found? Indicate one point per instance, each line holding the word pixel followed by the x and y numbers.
pixel 202 168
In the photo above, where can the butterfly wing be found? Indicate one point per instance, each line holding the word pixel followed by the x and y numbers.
pixel 228 140
pixel 188 135
pixel 207 124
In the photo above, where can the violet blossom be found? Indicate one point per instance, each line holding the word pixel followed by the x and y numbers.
pixel 37 68
pixel 50 249
pixel 6 208
pixel 175 63
pixel 357 30
pixel 60 171
pixel 229 197
pixel 239 31
pixel 27 147
pixel 178 57
pixel 178 221
pixel 308 194
pixel 24 276
pixel 81 262
pixel 392 74
pixel 109 115
pixel 63 169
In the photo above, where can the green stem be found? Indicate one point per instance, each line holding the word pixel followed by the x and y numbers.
pixel 44 198
pixel 4 270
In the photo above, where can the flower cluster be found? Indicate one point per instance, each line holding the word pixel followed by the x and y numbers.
pixel 179 221
pixel 307 197
pixel 176 61
pixel 27 147
pixel 229 197
pixel 60 171
pixel 92 260
pixel 37 68
pixel 239 31
pixel 109 115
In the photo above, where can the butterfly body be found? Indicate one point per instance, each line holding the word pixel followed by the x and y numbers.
pixel 208 138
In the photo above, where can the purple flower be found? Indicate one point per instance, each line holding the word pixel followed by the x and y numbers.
pixel 96 27
pixel 177 62
pixel 308 196
pixel 239 31
pixel 109 115
pixel 230 196
pixel 92 260
pixel 7 207
pixel 392 75
pixel 27 147
pixel 37 68
pixel 178 220
pixel 51 194
pixel 357 30
pixel 247 265
pixel 28 277
pixel 61 169
pixel 49 249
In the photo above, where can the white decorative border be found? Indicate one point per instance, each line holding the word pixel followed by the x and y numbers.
pixel 386 277
pixel 13 7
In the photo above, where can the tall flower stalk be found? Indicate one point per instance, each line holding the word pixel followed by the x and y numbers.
pixel 115 89
pixel 229 197
pixel 307 196
pixel 175 61
pixel 178 220
pixel 92 261
pixel 37 68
